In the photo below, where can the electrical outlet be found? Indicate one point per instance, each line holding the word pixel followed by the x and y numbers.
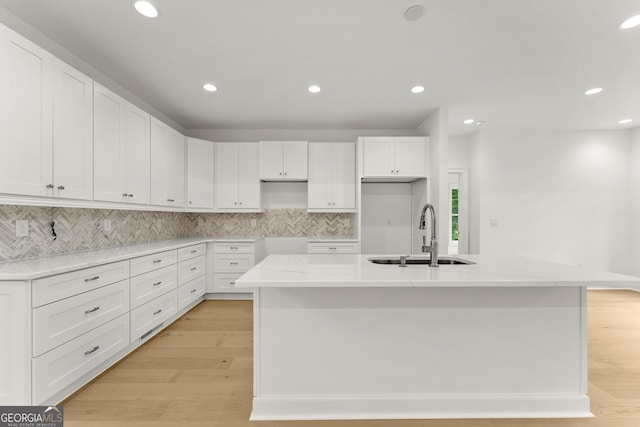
pixel 159 223
pixel 493 222
pixel 253 222
pixel 107 225
pixel 347 222
pixel 22 228
pixel 200 222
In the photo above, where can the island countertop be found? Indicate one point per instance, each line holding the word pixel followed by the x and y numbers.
pixel 344 270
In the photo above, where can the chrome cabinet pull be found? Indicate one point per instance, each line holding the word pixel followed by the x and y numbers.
pixel 125 195
pixel 193 251
pixel 91 279
pixel 194 268
pixel 91 310
pixel 233 263
pixel 50 185
pixel 232 283
pixel 193 290
pixel 170 200
pixel 157 312
pixel 157 283
pixel 60 187
pixel 157 261
pixel 333 249
pixel 130 195
pixel 233 248
pixel 94 349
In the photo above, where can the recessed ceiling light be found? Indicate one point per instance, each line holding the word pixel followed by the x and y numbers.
pixel 593 91
pixel 634 21
pixel 468 121
pixel 314 89
pixel 624 121
pixel 145 8
pixel 417 89
pixel 414 13
pixel 479 123
pixel 209 87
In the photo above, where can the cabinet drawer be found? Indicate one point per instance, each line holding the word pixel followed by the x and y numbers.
pixel 191 252
pixel 153 262
pixel 190 292
pixel 234 248
pixel 63 365
pixel 232 263
pixel 226 282
pixel 148 286
pixel 190 269
pixel 61 321
pixel 332 248
pixel 54 288
pixel 146 318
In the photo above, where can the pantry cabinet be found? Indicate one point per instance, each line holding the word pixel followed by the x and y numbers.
pixel 200 179
pixel 46 119
pixel 121 149
pixel 399 158
pixel 332 177
pixel 167 165
pixel 283 160
pixel 236 175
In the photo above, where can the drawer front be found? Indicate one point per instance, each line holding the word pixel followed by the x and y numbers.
pixel 332 248
pixel 191 252
pixel 63 365
pixel 152 262
pixel 54 288
pixel 226 282
pixel 190 292
pixel 61 321
pixel 190 269
pixel 153 314
pixel 234 248
pixel 232 263
pixel 148 286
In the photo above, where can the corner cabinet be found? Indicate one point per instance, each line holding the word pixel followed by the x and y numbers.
pixel 121 149
pixel 46 119
pixel 395 158
pixel 236 175
pixel 283 160
pixel 332 177
pixel 167 165
pixel 200 166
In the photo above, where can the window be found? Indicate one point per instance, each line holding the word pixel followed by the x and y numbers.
pixel 454 214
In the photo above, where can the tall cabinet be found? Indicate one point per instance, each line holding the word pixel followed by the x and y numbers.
pixel 46 121
pixel 121 149
pixel 237 179
pixel 167 165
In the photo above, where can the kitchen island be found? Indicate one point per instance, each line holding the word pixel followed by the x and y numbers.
pixel 338 337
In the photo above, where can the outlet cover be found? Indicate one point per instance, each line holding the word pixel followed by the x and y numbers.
pixel 107 225
pixel 253 222
pixel 347 222
pixel 22 228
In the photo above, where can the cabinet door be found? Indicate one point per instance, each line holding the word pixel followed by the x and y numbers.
pixel 72 133
pixel 344 176
pixel 320 183
pixel 26 116
pixel 176 169
pixel 295 160
pixel 410 159
pixel 378 156
pixel 226 172
pixel 137 154
pixel 248 178
pixel 271 157
pixel 200 163
pixel 108 146
pixel 167 165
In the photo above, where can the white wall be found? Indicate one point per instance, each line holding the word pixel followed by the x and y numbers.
pixel 634 236
pixel 557 196
pixel 458 154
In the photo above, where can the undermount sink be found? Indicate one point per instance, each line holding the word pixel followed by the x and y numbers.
pixel 420 261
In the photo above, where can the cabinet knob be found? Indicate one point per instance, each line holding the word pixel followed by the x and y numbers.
pixel 397 171
pixel 170 200
pixel 239 203
pixel 280 173
pixel 125 195
pixel 49 185
pixel 285 174
pixel 190 202
pixel 60 187
pixel 235 203
pixel 130 195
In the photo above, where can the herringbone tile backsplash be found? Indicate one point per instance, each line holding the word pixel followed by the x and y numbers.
pixel 82 229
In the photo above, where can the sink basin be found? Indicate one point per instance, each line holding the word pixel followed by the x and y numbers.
pixel 420 261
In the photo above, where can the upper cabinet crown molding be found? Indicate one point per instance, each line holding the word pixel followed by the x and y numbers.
pixel 283 160
pixel 398 159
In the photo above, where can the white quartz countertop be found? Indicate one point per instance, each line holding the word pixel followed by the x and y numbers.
pixel 49 266
pixel 344 270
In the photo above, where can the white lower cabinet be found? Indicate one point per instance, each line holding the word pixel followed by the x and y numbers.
pixel 230 260
pixel 333 247
pixel 62 366
pixel 150 317
pixel 191 292
pixel 148 286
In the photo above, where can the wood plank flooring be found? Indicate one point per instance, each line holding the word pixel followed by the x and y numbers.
pixel 198 372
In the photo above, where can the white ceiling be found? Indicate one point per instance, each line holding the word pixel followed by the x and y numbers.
pixel 516 64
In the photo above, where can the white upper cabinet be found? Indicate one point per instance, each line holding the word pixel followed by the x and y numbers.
pixel 283 160
pixel 397 158
pixel 46 123
pixel 332 177
pixel 121 149
pixel 167 165
pixel 200 166
pixel 237 182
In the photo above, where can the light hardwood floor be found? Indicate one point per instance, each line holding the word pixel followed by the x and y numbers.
pixel 198 372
